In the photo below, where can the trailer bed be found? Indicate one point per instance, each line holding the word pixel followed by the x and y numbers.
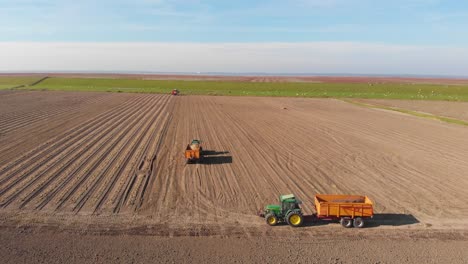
pixel 339 206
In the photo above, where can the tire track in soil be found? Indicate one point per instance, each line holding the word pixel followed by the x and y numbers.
pixel 143 141
pixel 85 181
pixel 126 198
pixel 134 154
pixel 101 175
pixel 137 190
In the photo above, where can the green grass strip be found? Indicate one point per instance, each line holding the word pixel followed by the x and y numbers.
pixel 271 89
pixel 4 86
pixel 410 112
pixel 9 82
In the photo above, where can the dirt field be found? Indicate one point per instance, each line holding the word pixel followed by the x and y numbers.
pixel 112 164
pixel 28 119
pixel 82 168
pixel 50 247
pixel 458 110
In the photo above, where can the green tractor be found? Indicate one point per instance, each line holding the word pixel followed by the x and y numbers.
pixel 288 212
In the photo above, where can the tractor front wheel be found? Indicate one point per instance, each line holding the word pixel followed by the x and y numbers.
pixel 271 219
pixel 294 219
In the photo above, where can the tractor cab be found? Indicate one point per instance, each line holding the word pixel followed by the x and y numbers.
pixel 288 211
pixel 289 202
pixel 195 142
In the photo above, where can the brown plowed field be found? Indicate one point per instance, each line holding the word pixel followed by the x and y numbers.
pixel 128 158
pixel 95 166
pixel 457 110
pixel 49 247
pixel 414 169
pixel 29 119
pixel 113 163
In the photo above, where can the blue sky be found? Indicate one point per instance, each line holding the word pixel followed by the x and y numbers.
pixel 415 24
pixel 397 22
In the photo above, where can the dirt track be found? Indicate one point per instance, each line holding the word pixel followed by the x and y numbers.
pixel 47 247
pixel 112 164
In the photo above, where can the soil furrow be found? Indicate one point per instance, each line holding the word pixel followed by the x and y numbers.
pixel 71 156
pixel 103 158
pixel 138 135
pixel 40 157
pixel 64 139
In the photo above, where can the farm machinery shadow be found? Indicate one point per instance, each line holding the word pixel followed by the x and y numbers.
pixel 392 220
pixel 376 221
pixel 215 157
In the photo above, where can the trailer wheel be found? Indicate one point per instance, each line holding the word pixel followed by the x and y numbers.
pixel 358 222
pixel 346 222
pixel 271 219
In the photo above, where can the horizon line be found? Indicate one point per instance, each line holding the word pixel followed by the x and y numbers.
pixel 240 74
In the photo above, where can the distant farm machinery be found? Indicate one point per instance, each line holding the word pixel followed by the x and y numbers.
pixel 194 151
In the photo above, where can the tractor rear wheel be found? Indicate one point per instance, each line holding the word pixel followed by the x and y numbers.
pixel 358 222
pixel 346 222
pixel 294 219
pixel 271 219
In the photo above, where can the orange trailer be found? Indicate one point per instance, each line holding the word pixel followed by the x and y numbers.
pixel 193 151
pixel 351 210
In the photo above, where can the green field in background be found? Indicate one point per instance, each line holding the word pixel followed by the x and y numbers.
pixel 4 86
pixel 9 82
pixel 337 90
